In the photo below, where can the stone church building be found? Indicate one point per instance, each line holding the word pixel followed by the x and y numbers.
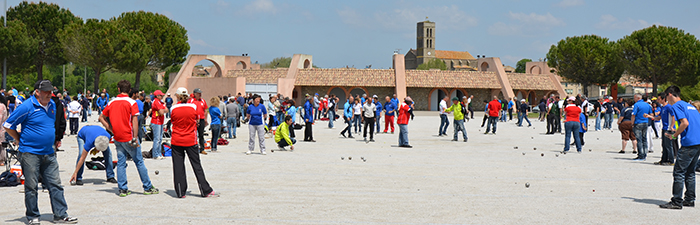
pixel 425 51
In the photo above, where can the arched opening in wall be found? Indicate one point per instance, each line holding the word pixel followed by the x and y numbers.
pixel 535 70
pixel 295 94
pixel 307 64
pixel 206 68
pixel 457 93
pixel 357 92
pixel 340 93
pixel 241 65
pixel 532 98
pixel 484 66
pixel 435 97
pixel 520 96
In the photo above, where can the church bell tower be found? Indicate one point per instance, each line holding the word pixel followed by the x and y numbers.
pixel 425 34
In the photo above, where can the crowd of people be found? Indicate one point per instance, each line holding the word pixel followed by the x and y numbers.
pixel 43 112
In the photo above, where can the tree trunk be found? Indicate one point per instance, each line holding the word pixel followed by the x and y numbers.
pixel 585 89
pixel 97 82
pixel 654 85
pixel 39 72
pixel 137 81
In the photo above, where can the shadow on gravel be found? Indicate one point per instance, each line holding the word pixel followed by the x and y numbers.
pixel 646 201
pixel 43 217
pixel 113 190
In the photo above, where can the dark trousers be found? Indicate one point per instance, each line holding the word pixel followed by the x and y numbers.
pixel 291 131
pixel 471 111
pixel 179 176
pixel 200 134
pixel 557 123
pixel 510 114
pixel 669 146
pixel 73 125
pixel 308 133
pixel 348 128
pixel 486 117
pixel 84 116
pixel 580 135
pixel 551 128
pixel 369 122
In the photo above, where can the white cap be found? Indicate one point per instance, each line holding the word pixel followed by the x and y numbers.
pixel 572 98
pixel 181 91
pixel 522 100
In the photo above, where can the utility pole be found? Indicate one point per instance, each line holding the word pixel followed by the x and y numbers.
pixel 85 82
pixel 64 77
pixel 4 61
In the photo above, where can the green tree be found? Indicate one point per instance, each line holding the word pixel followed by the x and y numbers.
pixel 281 62
pixel 43 21
pixel 588 59
pixel 659 54
pixel 432 64
pixel 17 46
pixel 520 66
pixel 166 39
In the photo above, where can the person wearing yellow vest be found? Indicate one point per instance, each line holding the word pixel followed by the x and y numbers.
pixel 282 135
pixel 458 118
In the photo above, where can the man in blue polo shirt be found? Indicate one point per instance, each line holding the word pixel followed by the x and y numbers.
pixel 684 170
pixel 669 146
pixel 348 116
pixel 37 157
pixel 641 123
pixel 90 137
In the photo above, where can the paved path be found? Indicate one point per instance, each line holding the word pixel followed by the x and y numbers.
pixel 482 181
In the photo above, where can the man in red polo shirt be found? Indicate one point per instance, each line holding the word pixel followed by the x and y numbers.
pixel 184 117
pixel 122 113
pixel 158 111
pixel 202 111
pixel 494 112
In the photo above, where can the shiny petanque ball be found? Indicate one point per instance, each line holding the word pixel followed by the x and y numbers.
pixel 527 185
pixel 349 157
pixel 157 172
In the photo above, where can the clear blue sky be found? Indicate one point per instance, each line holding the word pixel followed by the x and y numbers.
pixel 363 32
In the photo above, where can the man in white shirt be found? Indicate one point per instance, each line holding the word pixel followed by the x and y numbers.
pixel 443 118
pixel 368 110
pixel 74 109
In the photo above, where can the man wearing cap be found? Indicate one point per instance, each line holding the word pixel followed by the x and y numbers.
pixel 123 113
pixel 572 124
pixel 458 118
pixel 523 109
pixel 158 111
pixel 389 112
pixel 202 112
pixel 93 139
pixel 37 156
pixel 608 116
pixel 168 104
pixel 368 112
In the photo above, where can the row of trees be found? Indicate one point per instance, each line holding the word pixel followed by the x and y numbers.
pixel 657 54
pixel 43 34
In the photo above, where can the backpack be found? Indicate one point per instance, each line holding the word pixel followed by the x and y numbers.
pixel 8 179
pixel 222 141
pixel 464 109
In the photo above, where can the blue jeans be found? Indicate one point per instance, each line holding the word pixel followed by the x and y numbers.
pixel 597 121
pixel 157 139
pixel 521 117
pixel 215 134
pixel 232 125
pixel 572 127
pixel 357 122
pixel 124 148
pixel 282 143
pixel 280 117
pixel 684 173
pixel 403 134
pixel 45 166
pixel 378 115
pixel 608 121
pixel 640 131
pixel 459 126
pixel 84 116
pixel 444 123
pixel 331 118
pixel 492 123
pixel 107 154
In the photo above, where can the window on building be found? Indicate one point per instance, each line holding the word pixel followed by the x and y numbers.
pixel 569 91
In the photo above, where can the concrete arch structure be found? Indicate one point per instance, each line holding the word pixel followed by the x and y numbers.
pixel 434 98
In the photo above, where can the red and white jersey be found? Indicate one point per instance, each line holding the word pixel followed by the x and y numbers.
pixel 201 107
pixel 120 110
pixel 156 117
pixel 184 118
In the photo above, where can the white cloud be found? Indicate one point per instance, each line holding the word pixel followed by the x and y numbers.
pixel 526 25
pixel 536 19
pixel 222 4
pixel 264 6
pixel 610 22
pixel 446 17
pixel 570 3
pixel 200 42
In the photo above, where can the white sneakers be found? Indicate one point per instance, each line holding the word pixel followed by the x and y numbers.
pixel 248 153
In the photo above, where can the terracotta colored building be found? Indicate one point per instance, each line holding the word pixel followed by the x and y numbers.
pixel 426 87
